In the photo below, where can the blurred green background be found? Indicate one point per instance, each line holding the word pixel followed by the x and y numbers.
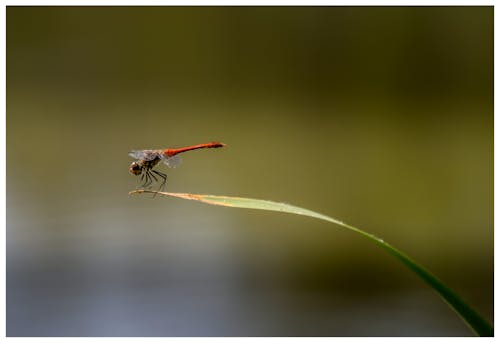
pixel 381 117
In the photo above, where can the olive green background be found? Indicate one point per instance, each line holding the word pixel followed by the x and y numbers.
pixel 381 117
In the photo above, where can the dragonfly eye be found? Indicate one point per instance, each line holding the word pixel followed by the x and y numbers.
pixel 135 168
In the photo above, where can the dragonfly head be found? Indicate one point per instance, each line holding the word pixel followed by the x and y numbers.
pixel 135 168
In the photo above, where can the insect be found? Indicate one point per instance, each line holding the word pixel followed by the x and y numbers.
pixel 148 159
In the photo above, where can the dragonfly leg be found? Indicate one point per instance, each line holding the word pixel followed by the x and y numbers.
pixel 148 181
pixel 152 176
pixel 143 179
pixel 163 177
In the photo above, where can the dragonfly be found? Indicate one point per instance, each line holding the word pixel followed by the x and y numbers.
pixel 148 159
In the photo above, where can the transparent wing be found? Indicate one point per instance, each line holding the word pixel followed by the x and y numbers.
pixel 171 161
pixel 146 155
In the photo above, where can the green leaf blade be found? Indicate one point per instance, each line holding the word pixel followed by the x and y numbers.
pixel 477 323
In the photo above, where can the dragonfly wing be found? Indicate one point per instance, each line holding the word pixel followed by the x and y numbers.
pixel 171 161
pixel 146 155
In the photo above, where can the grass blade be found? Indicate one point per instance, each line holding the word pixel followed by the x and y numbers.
pixel 478 324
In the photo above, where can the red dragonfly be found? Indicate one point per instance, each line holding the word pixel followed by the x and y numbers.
pixel 148 159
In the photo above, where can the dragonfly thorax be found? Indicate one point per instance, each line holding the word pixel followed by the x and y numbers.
pixel 138 167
